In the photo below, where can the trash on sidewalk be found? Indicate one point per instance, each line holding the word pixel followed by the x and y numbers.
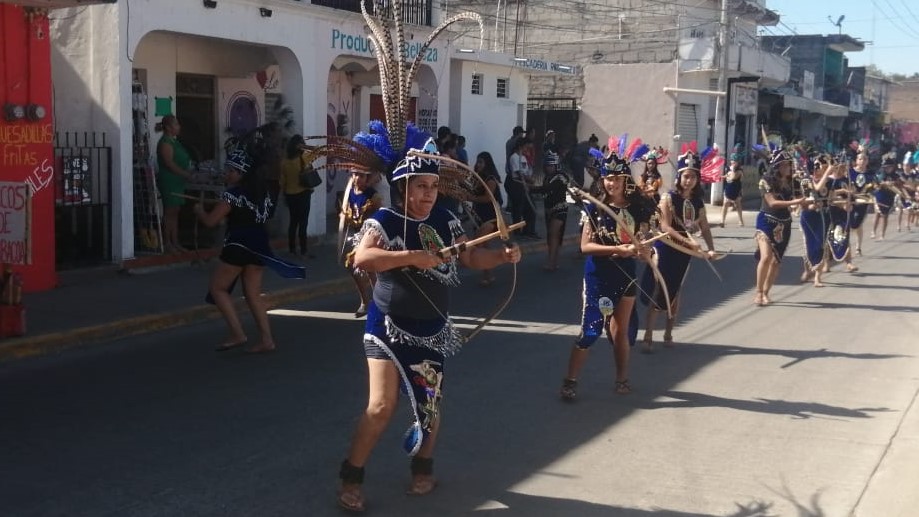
pixel 12 312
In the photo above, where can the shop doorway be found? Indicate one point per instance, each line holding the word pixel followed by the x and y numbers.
pixel 196 109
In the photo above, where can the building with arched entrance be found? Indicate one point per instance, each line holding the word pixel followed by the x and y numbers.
pixel 225 66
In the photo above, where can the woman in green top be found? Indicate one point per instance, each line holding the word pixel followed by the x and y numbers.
pixel 173 163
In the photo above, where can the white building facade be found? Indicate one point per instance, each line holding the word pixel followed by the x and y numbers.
pixel 228 65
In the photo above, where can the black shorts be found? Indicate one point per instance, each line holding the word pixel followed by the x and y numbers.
pixel 631 290
pixel 240 257
pixel 374 351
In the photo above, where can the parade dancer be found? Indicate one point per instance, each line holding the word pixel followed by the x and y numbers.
pixel 650 180
pixel 246 252
pixel 556 207
pixel 773 223
pixel 608 239
pixel 682 212
pixel 361 201
pixel 839 236
pixel 409 333
pixel 815 218
pixel 885 196
pixel 862 182
pixel 733 182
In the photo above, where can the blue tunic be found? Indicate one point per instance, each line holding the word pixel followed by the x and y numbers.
pixel 673 264
pixel 608 279
pixel 408 318
pixel 774 223
pixel 815 223
pixel 732 189
pixel 840 224
pixel 862 181
pixel 246 234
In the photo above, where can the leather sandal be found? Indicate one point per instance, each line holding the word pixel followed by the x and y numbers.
pixel 569 389
pixel 423 481
pixel 350 496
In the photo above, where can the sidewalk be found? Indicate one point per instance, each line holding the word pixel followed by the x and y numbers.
pixel 108 303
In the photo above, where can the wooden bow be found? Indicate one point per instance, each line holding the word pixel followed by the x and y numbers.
pixel 577 193
pixel 343 219
pixel 503 232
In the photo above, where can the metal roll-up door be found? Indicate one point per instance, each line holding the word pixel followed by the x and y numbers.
pixel 688 122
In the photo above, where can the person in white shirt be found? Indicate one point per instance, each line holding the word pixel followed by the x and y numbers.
pixel 520 175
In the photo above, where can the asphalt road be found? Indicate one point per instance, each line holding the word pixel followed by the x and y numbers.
pixel 793 409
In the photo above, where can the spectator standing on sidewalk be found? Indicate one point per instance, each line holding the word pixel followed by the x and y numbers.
pixel 173 162
pixel 509 147
pixel 297 196
pixel 579 157
pixel 482 207
pixel 517 184
pixel 246 250
pixel 461 153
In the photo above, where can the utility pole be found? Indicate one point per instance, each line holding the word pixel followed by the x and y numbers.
pixel 721 100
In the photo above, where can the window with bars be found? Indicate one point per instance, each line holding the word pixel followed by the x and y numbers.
pixel 477 80
pixel 503 88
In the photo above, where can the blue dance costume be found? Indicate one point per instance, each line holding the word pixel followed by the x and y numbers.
pixel 360 206
pixel 246 241
pixel 863 182
pixel 732 189
pixel 884 195
pixel 673 264
pixel 815 222
pixel 408 320
pixel 774 223
pixel 840 224
pixel 608 279
pixel 555 202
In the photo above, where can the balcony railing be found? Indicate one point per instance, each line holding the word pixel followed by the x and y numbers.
pixel 415 12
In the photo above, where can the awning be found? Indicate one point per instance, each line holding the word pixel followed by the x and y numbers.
pixel 829 109
pixel 56 4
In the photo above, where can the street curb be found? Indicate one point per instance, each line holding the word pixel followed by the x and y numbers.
pixel 57 342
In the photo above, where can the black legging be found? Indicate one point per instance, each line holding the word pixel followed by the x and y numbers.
pixel 298 206
pixel 521 206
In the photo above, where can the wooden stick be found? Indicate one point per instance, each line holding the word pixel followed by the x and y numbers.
pixel 456 249
pixel 193 198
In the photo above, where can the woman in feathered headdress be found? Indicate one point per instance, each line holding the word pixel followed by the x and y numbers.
pixel 682 212
pixel 815 217
pixel 610 273
pixel 650 180
pixel 885 195
pixel 862 182
pixel 733 183
pixel 842 202
pixel 555 204
pixel 408 332
pixel 246 206
pixel 773 223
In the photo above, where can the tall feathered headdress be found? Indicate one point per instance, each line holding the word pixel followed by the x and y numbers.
pixel 712 165
pixel 396 74
pixel 386 143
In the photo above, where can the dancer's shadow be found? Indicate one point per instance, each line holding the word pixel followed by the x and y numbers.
pixel 799 356
pixel 833 305
pixel 804 410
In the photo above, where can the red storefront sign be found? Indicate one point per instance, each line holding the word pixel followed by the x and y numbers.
pixel 26 146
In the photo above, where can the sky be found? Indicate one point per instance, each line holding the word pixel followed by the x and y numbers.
pixel 891 27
